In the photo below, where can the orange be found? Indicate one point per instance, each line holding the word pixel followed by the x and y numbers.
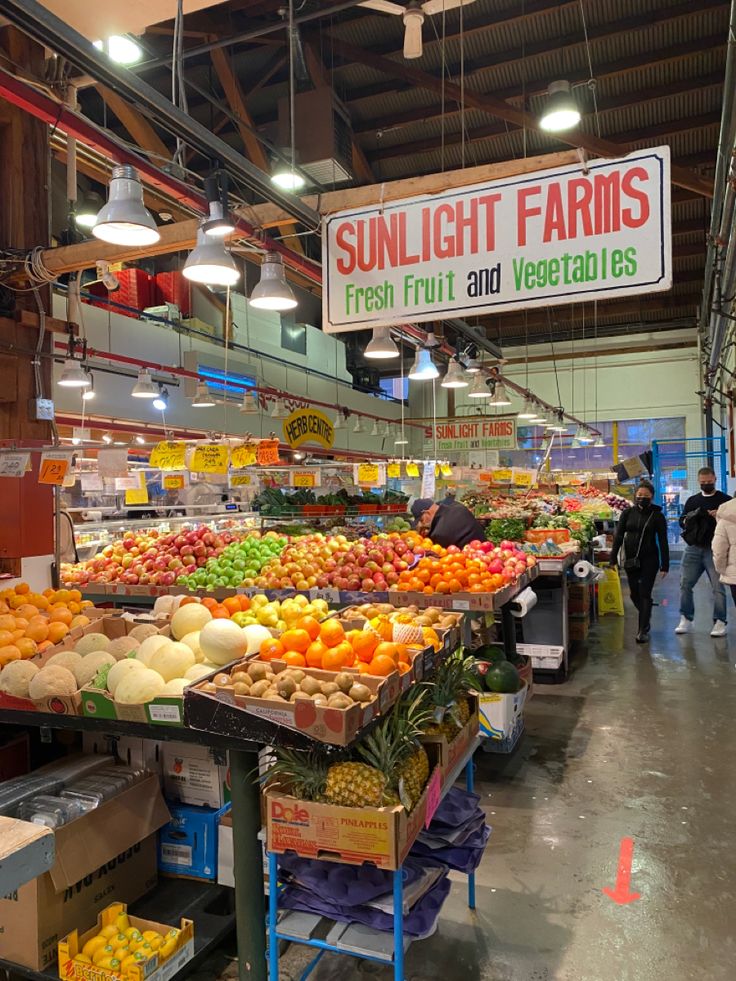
pixel 403 668
pixel 244 602
pixel 186 600
pixel 363 668
pixel 315 653
pixel 57 632
pixel 338 657
pixel 4 608
pixel 296 640
pixel 86 604
pixel 37 631
pixel 271 649
pixel 311 625
pixel 22 588
pixel 74 608
pixel 9 653
pixel 44 646
pixel 332 633
pixel 209 602
pixel 382 666
pixel 232 604
pixel 27 611
pixel 75 595
pixel 61 596
pixel 6 637
pixel 220 612
pixel 364 644
pixel 26 646
pixel 21 624
pixel 387 649
pixel 61 615
pixel 295 659
pixel 15 601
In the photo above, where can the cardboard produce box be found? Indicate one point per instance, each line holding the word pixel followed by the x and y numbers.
pixel 193 775
pixel 161 966
pixel 450 753
pixel 187 845
pixel 499 712
pixel 165 710
pixel 108 853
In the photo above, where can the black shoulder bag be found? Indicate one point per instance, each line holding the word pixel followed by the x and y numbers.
pixel 634 564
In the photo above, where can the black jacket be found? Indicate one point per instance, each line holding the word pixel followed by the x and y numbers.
pixel 697 523
pixel 454 524
pixel 654 547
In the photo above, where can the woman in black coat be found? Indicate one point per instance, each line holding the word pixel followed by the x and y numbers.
pixel 642 530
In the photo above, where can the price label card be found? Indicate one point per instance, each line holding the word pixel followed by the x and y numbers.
pixel 304 478
pixel 370 474
pixel 393 470
pixel 125 484
pixel 163 712
pixel 168 455
pixel 173 481
pixel 501 476
pixel 412 470
pixel 210 458
pixel 330 595
pixel 446 470
pixel 139 494
pixel 429 484
pixel 459 604
pixel 267 454
pixel 241 480
pixel 243 456
pixel 434 795
pixel 53 468
pixel 14 464
pixel 524 478
pixel 91 482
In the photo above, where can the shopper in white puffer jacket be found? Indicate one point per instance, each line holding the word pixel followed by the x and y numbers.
pixel 724 545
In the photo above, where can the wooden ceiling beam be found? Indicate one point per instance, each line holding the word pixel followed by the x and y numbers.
pixel 136 124
pixel 502 110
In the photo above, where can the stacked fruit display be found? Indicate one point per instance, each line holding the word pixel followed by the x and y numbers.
pixel 480 567
pixel 120 946
pixel 257 679
pixel 32 622
pixel 315 560
pixel 239 564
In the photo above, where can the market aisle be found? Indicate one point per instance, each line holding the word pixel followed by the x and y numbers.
pixel 639 743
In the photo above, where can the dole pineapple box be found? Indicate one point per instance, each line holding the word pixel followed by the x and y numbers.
pixel 351 835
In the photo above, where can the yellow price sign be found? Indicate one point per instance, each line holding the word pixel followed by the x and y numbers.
pixel 501 476
pixel 168 455
pixel 303 478
pixel 240 480
pixel 523 478
pixel 174 481
pixel 446 470
pixel 138 495
pixel 210 458
pixel 412 470
pixel 393 470
pixel 368 473
pixel 53 469
pixel 243 456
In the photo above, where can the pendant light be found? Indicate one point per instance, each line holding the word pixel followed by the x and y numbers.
pixel 339 421
pixel 401 439
pixel 279 410
pixel 161 402
pixel 144 388
pixel 599 443
pixel 121 49
pixel 125 220
pixel 87 210
pixel 479 389
pixel 585 435
pixel 249 405
pixel 561 112
pixel 287 178
pixel 472 366
pixel 73 375
pixel 272 292
pixel 540 417
pixel 386 429
pixel 558 424
pixel 575 445
pixel 219 223
pixel 358 427
pixel 89 393
pixel 374 430
pixel 424 368
pixel 527 412
pixel 202 398
pixel 381 345
pixel 455 377
pixel 499 397
pixel 209 263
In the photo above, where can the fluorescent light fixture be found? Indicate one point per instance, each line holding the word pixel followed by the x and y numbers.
pixel 561 112
pixel 121 49
pixel 381 345
pixel 73 375
pixel 273 292
pixel 527 412
pixel 455 377
pixel 249 405
pixel 499 396
pixel 202 398
pixel 287 178
pixel 144 388
pixel 125 220
pixel 479 389
pixel 161 402
pixel 424 368
pixel 210 263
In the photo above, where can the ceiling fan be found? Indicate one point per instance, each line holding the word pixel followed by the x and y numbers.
pixel 413 16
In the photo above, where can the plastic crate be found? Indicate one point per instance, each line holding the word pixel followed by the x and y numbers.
pixel 137 289
pixel 173 287
pixel 544 657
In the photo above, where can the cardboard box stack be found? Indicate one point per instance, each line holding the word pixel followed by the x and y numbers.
pixel 578 612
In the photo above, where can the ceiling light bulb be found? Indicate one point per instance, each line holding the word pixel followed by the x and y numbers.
pixel 219 224
pixel 76 440
pixel 561 112
pixel 287 178
pixel 125 220
pixel 161 402
pixel 106 438
pixel 599 444
pixel 202 398
pixel 140 441
pixel 273 292
pixel 424 368
pixel 88 394
pixel 431 340
pixel 585 435
pixel 87 208
pixel 73 375
pixel 381 345
pixel 479 389
pixel 120 49
pixel 210 263
pixel 144 388
pixel 455 377
pixel 472 366
pixel 250 404
pixel 558 424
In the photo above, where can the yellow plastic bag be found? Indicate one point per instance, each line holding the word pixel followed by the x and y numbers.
pixel 610 599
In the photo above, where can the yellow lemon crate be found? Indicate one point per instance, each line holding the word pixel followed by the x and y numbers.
pixel 125 948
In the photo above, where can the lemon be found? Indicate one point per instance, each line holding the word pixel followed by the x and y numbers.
pixel 102 952
pixel 108 931
pixel 122 922
pixel 109 963
pixel 83 959
pixel 167 948
pixel 92 945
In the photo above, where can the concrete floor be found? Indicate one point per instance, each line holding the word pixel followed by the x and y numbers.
pixel 640 742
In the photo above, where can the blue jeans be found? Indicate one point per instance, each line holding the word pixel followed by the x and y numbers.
pixel 695 562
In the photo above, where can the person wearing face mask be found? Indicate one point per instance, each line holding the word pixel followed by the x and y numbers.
pixel 698 523
pixel 642 531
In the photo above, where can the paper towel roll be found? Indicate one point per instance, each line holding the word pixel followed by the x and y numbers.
pixel 583 569
pixel 524 602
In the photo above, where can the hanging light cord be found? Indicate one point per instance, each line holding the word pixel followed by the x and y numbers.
pixel 292 86
pixel 592 83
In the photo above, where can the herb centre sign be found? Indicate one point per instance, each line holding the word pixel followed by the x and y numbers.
pixel 556 236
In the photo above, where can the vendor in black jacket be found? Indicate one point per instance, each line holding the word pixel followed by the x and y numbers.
pixel 642 530
pixel 448 523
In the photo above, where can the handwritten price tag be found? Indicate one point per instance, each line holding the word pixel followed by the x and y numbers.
pixel 267 454
pixel 367 473
pixel 174 481
pixel 524 478
pixel 243 456
pixel 210 458
pixel 139 494
pixel 14 464
pixel 446 470
pixel 412 470
pixel 501 476
pixel 240 480
pixel 304 478
pixel 53 469
pixel 168 455
pixel 393 470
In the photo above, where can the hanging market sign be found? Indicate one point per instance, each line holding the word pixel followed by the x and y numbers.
pixel 168 455
pixel 474 434
pixel 173 481
pixel 53 467
pixel 210 458
pixel 308 426
pixel 556 236
pixel 393 470
pixel 267 453
pixel 243 456
pixel 369 474
pixel 14 464
pixel 305 478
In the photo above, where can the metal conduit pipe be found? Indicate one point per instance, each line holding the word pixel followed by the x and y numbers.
pixel 725 278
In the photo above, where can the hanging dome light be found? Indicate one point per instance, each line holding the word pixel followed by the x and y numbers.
pixel 527 412
pixel 87 209
pixel 499 396
pixel 249 405
pixel 381 345
pixel 125 220
pixel 210 263
pixel 575 445
pixel 144 388
pixel 540 418
pixel 386 428
pixel 558 424
pixel 599 443
pixel 401 439
pixel 121 49
pixel 561 112
pixel 455 377
pixel 479 389
pixel 424 368
pixel 279 410
pixel 202 398
pixel 272 291
pixel 339 421
pixel 585 435
pixel 358 427
pixel 374 430
pixel 219 224
pixel 73 375
pixel 287 178
pixel 472 366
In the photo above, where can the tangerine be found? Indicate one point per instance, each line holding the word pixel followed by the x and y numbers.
pixel 26 646
pixel 232 604
pixel 8 653
pixel 244 602
pixel 37 631
pixel 364 644
pixel 186 601
pixel 27 611
pixel 338 657
pixel 332 633
pixel 7 621
pixel 315 653
pixel 271 649
pixel 311 625
pixel 220 612
pixel 295 659
pixel 75 595
pixel 387 649
pixel 61 614
pixel 22 588
pixel 209 602
pixel 57 632
pixel 296 639
pixel 382 666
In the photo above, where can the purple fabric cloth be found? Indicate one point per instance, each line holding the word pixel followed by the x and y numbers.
pixel 457 807
pixel 346 885
pixel 462 858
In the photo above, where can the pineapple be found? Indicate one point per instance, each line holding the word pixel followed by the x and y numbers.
pixel 298 773
pixel 355 784
pixel 451 710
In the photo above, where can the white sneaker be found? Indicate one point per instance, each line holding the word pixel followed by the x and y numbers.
pixel 683 626
pixel 719 629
